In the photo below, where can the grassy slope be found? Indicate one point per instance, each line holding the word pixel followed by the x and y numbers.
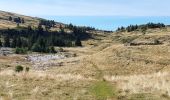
pixel 103 69
pixel 4 23
pixel 29 21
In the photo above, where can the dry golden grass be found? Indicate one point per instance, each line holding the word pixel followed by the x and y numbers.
pixel 28 21
pixel 138 71
pixel 22 87
pixel 157 83
pixel 4 23
pixel 9 62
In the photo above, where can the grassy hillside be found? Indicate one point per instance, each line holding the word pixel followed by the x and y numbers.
pixel 109 66
pixel 5 23
pixel 29 21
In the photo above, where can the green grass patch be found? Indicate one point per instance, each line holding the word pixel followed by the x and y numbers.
pixel 103 90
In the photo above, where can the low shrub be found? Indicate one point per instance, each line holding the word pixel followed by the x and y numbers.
pixel 27 69
pixel 19 68
pixel 21 50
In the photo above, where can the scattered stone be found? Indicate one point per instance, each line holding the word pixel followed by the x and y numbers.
pixel 43 62
pixel 5 51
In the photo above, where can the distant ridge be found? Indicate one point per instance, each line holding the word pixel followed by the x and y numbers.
pixel 29 21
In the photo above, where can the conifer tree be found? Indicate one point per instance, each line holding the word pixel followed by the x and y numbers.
pixel 14 41
pixel 6 41
pixel 10 18
pixel 0 43
pixel 78 42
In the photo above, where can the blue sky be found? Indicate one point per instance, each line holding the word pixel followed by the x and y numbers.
pixel 101 14
pixel 88 7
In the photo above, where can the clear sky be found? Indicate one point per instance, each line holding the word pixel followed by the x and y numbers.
pixel 88 7
pixel 101 14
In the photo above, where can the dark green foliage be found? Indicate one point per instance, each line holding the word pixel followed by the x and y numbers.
pixel 153 25
pixel 70 26
pixel 156 42
pixel 10 18
pixel 132 28
pixel 6 41
pixel 19 42
pixel 74 28
pixel 17 20
pixel 52 50
pixel 21 50
pixel 14 42
pixel 121 29
pixel 19 68
pixel 142 27
pixel 0 43
pixel 41 40
pixel 61 29
pixel 78 42
pixel 118 29
pixel 40 46
pixel 49 23
pixel 40 29
pixel 27 69
pixel 36 47
pixel 60 49
pixel 22 20
pixel 18 25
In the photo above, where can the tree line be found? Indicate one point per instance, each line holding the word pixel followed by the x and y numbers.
pixel 144 27
pixel 17 20
pixel 41 40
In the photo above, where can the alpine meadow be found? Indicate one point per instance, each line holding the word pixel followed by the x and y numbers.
pixel 84 50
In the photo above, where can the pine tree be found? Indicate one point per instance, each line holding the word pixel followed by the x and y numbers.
pixel 14 41
pixel 52 49
pixel 143 29
pixel 70 26
pixel 22 20
pixel 0 43
pixel 10 18
pixel 17 20
pixel 78 42
pixel 36 48
pixel 122 28
pixel 118 29
pixel 6 41
pixel 19 42
pixel 40 29
pixel 61 29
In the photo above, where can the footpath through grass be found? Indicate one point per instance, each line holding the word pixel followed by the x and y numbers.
pixel 103 90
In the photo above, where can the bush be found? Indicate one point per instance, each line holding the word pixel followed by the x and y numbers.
pixel 60 49
pixel 52 50
pixel 78 42
pixel 156 42
pixel 19 68
pixel 27 69
pixel 36 47
pixel 20 50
